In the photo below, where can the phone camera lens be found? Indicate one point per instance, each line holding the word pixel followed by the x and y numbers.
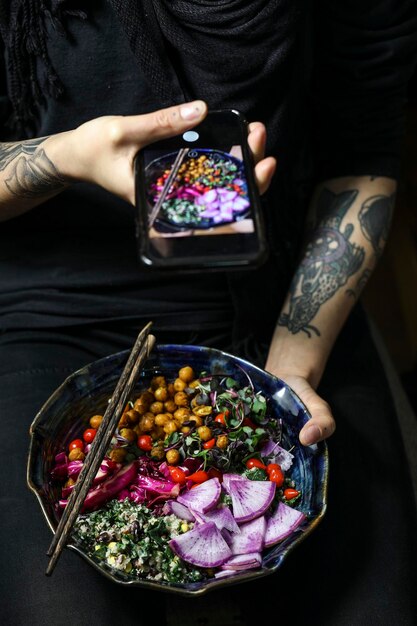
pixel 190 135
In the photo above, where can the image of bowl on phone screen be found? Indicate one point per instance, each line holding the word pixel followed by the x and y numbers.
pixel 196 189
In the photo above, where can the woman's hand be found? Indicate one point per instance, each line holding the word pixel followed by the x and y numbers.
pixel 322 424
pixel 102 151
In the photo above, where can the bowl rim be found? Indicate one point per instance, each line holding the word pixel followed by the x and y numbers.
pixel 211 583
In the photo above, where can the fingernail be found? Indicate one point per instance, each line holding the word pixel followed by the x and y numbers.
pixel 191 110
pixel 310 435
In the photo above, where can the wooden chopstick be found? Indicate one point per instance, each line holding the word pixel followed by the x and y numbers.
pixel 140 352
pixel 168 184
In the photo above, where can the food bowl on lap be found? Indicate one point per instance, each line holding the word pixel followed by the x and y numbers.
pixel 239 528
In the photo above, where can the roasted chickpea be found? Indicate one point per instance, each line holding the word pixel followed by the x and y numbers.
pixel 170 427
pixel 157 452
pixel 204 432
pixel 161 394
pixel 222 441
pixel 196 419
pixel 202 410
pixel 170 406
pixel 182 413
pixel 128 434
pixel 95 421
pixel 157 433
pixel 172 457
pixel 76 455
pixel 146 422
pixel 156 407
pixel 171 390
pixel 186 374
pixel 158 381
pixel 179 385
pixel 194 383
pixel 161 419
pixel 142 404
pixel 118 455
pixel 185 430
pixel 181 398
pixel 133 416
pixel 70 482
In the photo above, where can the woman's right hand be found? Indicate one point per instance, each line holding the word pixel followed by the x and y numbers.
pixel 103 150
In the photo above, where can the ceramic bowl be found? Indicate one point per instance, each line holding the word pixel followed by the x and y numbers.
pixel 86 393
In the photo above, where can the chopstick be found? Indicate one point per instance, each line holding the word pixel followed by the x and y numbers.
pixel 140 352
pixel 168 184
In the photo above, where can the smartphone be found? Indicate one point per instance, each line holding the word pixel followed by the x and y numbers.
pixel 197 204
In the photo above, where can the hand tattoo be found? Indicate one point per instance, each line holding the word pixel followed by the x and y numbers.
pixel 375 217
pixel 329 260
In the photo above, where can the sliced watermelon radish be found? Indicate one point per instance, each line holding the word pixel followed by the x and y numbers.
pixel 282 523
pixel 221 516
pixel 251 537
pixel 250 498
pixel 202 546
pixel 202 498
pixel 178 509
pixel 228 477
pixel 224 573
pixel 243 561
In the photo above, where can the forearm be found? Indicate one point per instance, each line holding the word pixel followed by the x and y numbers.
pixel 31 172
pixel 348 224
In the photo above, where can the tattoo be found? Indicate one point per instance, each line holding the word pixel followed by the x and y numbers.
pixel 329 260
pixel 374 218
pixel 9 151
pixel 34 176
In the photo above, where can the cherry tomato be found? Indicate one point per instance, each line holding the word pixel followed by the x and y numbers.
pixel 145 442
pixel 221 417
pixel 198 477
pixel 89 434
pixel 248 422
pixel 76 443
pixel 253 462
pixel 272 466
pixel 207 445
pixel 289 494
pixel 276 476
pixel 177 474
pixel 215 473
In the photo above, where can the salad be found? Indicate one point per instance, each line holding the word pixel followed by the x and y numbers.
pixel 208 190
pixel 194 485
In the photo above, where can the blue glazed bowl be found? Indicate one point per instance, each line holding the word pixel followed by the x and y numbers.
pixel 86 392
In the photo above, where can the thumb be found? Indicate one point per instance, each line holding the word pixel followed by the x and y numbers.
pixel 321 424
pixel 165 123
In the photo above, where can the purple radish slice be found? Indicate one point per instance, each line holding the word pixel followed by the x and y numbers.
pixel 243 561
pixel 202 498
pixel 202 546
pixel 222 517
pixel 240 204
pixel 251 537
pixel 227 478
pixel 282 523
pixel 250 498
pixel 224 573
pixel 277 454
pixel 178 509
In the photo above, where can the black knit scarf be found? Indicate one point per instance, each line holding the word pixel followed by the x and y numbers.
pixel 230 52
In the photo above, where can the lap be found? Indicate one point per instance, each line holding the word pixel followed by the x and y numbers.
pixel 355 568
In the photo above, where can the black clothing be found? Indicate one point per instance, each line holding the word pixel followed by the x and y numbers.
pixel 72 291
pixel 88 268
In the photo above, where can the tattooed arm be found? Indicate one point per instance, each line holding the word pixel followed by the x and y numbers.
pixel 101 151
pixel 347 229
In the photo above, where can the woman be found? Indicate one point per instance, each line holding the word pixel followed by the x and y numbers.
pixel 329 84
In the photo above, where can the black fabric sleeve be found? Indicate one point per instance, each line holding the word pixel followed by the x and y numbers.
pixel 365 55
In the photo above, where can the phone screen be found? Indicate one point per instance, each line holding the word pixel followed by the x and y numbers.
pixel 198 203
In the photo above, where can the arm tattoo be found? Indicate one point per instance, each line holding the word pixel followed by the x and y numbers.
pixel 32 173
pixel 9 151
pixel 375 217
pixel 329 260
